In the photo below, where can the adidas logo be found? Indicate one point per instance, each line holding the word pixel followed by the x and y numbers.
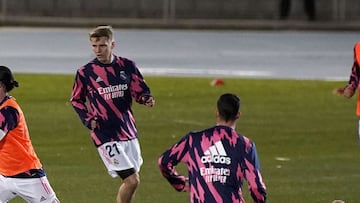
pixel 216 154
pixel 99 79
pixel 42 199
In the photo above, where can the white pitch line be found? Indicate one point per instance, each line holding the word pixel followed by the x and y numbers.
pixel 205 72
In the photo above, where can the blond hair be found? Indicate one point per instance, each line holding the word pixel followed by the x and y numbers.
pixel 102 31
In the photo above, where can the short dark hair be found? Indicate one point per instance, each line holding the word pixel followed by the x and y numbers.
pixel 7 78
pixel 228 106
pixel 102 31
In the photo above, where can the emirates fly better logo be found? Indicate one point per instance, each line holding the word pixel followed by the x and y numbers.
pixel 215 154
pixel 111 91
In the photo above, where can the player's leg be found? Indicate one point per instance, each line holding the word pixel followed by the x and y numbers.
pixel 131 178
pixel 35 190
pixel 129 185
pixel 123 159
pixel 5 191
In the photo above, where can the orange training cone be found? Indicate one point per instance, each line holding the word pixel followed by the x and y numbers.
pixel 217 82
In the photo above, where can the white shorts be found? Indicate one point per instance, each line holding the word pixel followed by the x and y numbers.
pixel 34 190
pixel 121 155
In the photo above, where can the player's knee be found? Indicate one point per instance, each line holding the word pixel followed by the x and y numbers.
pixel 132 181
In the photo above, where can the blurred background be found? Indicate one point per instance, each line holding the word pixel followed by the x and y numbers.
pixel 232 14
pixel 246 38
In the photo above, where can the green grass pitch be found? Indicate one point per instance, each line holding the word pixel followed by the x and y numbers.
pixel 306 136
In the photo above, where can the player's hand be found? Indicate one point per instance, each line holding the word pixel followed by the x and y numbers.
pixel 93 123
pixel 186 187
pixel 347 91
pixel 148 100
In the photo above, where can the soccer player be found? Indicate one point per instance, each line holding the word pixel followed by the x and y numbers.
pixel 21 173
pixel 349 90
pixel 218 159
pixel 102 96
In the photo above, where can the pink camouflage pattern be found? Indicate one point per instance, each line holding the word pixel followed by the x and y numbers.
pixel 105 92
pixel 218 160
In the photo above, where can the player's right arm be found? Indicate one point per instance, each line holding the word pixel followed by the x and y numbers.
pixel 78 99
pixel 169 159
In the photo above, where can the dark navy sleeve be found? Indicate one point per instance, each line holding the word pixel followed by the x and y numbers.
pixel 355 70
pixel 9 118
pixel 169 159
pixel 253 176
pixel 78 99
pixel 139 88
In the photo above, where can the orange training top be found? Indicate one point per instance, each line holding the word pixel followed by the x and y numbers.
pixel 356 66
pixel 17 154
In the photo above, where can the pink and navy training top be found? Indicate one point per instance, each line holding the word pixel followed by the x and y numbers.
pixel 104 92
pixel 218 159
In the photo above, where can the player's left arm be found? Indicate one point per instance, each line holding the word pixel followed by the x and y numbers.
pixel 139 89
pixel 253 176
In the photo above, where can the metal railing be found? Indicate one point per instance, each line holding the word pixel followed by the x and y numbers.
pixel 3 10
pixel 169 10
pixel 339 10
